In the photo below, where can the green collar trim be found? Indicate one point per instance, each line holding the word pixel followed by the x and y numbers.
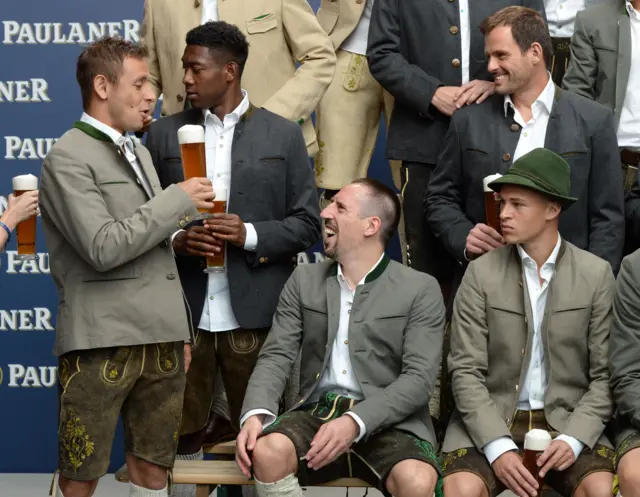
pixel 375 273
pixel 91 131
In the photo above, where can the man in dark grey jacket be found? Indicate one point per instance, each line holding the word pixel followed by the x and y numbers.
pixel 430 57
pixel 260 159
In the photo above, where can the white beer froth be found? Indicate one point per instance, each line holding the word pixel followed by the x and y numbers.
pixel 221 194
pixel 537 440
pixel 489 179
pixel 25 182
pixel 190 133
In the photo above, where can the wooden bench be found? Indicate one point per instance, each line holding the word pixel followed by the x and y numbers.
pixel 206 475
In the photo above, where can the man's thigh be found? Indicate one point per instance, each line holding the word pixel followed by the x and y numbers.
pixel 374 459
pixel 470 460
pixel 627 460
pixel 589 461
pixel 93 386
pixel 198 393
pixel 151 414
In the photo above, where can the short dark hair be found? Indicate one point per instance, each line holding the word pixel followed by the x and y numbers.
pixel 104 57
pixel 223 38
pixel 527 27
pixel 381 202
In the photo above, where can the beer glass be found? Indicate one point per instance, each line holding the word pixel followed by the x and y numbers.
pixel 491 203
pixel 535 443
pixel 192 152
pixel 215 264
pixel 26 230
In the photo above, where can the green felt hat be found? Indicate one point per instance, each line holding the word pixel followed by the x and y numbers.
pixel 543 171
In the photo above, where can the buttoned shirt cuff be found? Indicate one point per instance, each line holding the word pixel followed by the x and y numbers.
pixel 497 447
pixel 576 445
pixel 363 428
pixel 269 417
pixel 251 240
pixel 174 235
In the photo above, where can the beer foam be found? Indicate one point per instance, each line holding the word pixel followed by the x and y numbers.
pixel 190 133
pixel 25 182
pixel 221 194
pixel 489 179
pixel 537 440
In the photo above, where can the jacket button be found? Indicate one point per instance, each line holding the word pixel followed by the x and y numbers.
pixel 264 260
pixel 454 30
pixel 506 157
pixel 455 62
pixel 182 223
pixel 171 276
pixel 515 127
pixel 179 97
pixel 317 376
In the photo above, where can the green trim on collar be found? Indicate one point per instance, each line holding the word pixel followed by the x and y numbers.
pixel 92 132
pixel 378 270
pixel 556 93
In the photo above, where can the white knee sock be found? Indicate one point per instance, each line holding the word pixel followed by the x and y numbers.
pixel 287 487
pixel 186 490
pixel 135 491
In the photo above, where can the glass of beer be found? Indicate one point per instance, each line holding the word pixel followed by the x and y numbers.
pixel 215 264
pixel 26 230
pixel 192 152
pixel 492 203
pixel 535 443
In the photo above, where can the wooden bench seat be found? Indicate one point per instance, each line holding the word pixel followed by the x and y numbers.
pixel 226 448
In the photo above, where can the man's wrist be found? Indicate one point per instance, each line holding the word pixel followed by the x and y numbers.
pixel 9 220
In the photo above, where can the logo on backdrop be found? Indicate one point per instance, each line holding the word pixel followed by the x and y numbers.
pixel 36 319
pixel 32 90
pixel 67 33
pixel 39 265
pixel 304 258
pixel 27 148
pixel 21 376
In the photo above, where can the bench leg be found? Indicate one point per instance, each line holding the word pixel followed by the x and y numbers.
pixel 203 490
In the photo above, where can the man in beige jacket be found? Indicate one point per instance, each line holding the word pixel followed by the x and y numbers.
pixel 281 33
pixel 529 345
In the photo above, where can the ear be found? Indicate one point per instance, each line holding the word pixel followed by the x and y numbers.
pixel 232 71
pixel 374 225
pixel 537 52
pixel 101 86
pixel 553 210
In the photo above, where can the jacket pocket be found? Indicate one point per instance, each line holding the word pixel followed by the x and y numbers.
pixel 262 24
pixel 476 151
pixel 125 272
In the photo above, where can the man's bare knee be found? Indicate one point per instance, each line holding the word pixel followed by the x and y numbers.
pixel 412 478
pixel 464 484
pixel 598 484
pixel 273 458
pixel 145 474
pixel 628 474
pixel 73 488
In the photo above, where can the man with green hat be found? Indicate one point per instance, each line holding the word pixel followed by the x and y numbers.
pixel 529 342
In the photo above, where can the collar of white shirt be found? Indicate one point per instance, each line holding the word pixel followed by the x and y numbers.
pixel 545 99
pixel 234 117
pixel 552 258
pixel 343 281
pixel 117 137
pixel 635 15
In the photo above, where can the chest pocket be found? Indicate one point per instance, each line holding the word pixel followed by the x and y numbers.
pixel 262 24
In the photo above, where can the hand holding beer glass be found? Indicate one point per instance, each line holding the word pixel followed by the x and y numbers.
pixel 535 443
pixel 27 184
pixel 192 153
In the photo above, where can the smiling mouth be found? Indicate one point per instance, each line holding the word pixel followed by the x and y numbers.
pixel 329 232
pixel 500 77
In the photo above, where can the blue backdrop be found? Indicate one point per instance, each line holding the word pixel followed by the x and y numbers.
pixel 39 101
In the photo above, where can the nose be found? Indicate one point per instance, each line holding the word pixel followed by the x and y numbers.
pixel 149 94
pixel 492 66
pixel 505 211
pixel 187 79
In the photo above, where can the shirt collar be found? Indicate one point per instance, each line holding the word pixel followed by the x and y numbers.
pixel 552 258
pixel 117 137
pixel 237 113
pixel 342 279
pixel 633 13
pixel 545 98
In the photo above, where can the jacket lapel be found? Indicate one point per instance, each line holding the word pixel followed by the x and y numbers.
pixel 509 134
pixel 624 60
pixel 149 171
pixel 333 310
pixel 553 136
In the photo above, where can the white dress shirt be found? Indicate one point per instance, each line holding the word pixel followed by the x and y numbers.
pixel 465 40
pixel 338 376
pixel 533 132
pixel 356 42
pixel 561 16
pixel 629 127
pixel 126 144
pixel 535 384
pixel 217 314
pixel 209 11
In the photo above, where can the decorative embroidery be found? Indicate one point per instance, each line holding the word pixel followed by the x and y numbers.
pixel 63 372
pixel 276 422
pixel 76 442
pixel 605 452
pixel 318 166
pixel 452 456
pixel 167 358
pixel 114 369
